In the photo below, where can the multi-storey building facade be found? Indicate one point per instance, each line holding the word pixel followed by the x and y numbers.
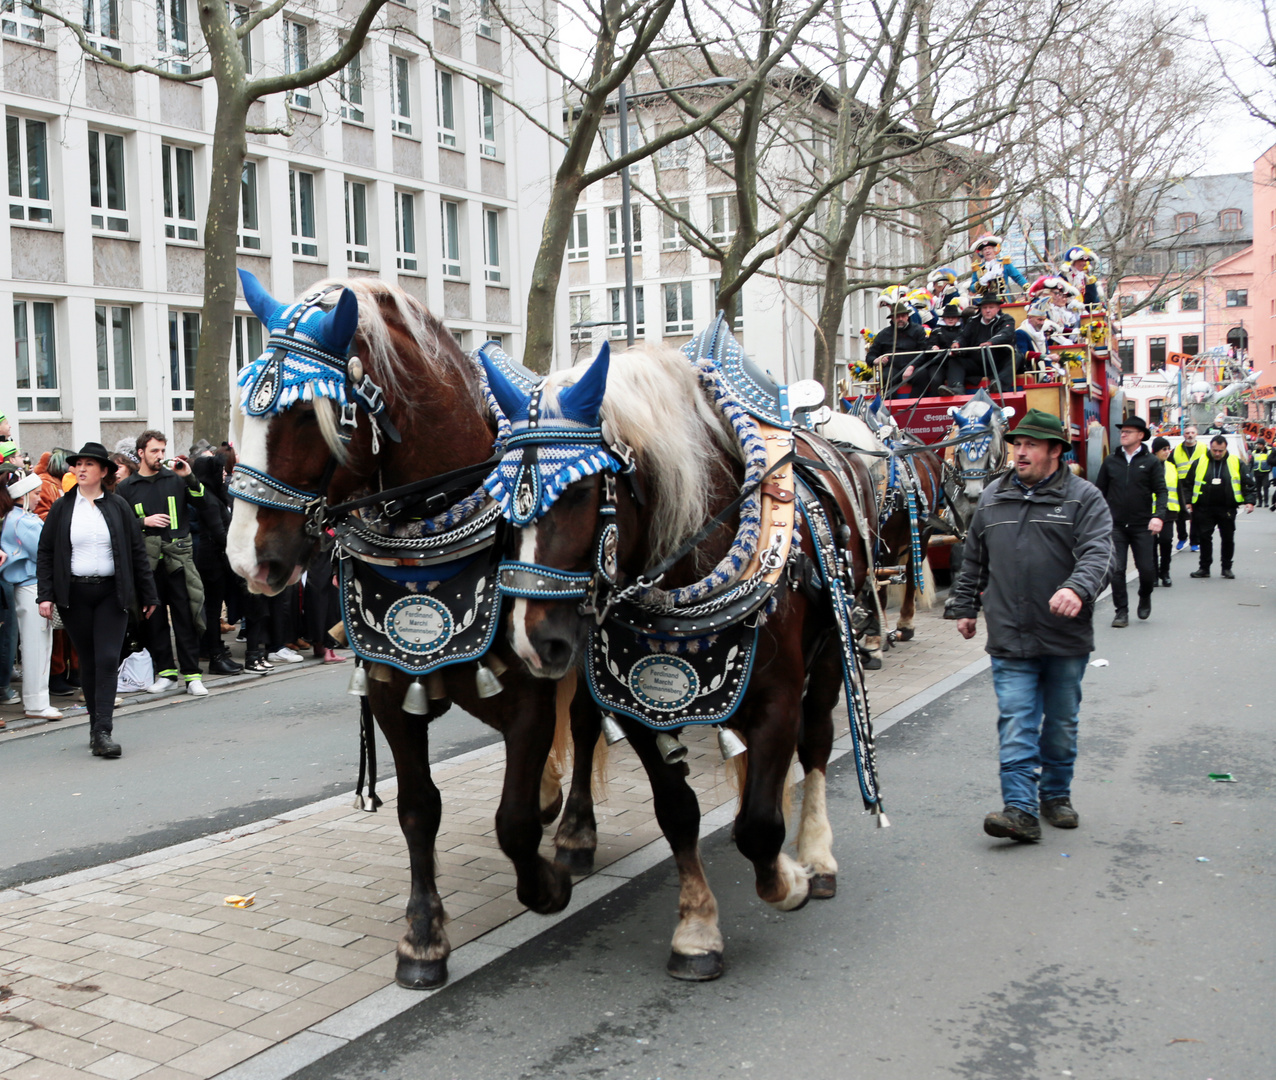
pixel 406 166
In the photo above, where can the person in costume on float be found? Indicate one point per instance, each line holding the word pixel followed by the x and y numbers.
pixel 991 271
pixel 1077 269
pixel 944 289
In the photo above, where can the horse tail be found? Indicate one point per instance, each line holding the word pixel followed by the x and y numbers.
pixel 927 598
pixel 598 781
pixel 565 691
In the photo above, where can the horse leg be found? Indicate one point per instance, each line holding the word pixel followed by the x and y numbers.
pixel 872 645
pixel 551 797
pixel 422 952
pixel 907 607
pixel 577 836
pixel 759 826
pixel 542 886
pixel 696 953
pixel 815 834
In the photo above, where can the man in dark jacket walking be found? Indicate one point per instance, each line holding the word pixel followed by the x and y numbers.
pixel 1038 553
pixel 1133 482
pixel 1223 485
pixel 899 349
pixel 986 346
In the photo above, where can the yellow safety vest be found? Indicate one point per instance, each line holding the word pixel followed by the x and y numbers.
pixel 1233 466
pixel 1172 487
pixel 1260 461
pixel 1185 461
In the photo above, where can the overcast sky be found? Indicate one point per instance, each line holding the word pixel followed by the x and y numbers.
pixel 1236 138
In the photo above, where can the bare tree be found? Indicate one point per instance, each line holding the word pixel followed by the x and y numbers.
pixel 223 63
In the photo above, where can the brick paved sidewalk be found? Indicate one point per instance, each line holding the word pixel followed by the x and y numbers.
pixel 138 968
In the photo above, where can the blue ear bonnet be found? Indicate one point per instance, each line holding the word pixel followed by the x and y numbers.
pixel 551 446
pixel 306 354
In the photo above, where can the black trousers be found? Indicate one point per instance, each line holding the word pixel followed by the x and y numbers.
pixel 97 624
pixel 214 572
pixel 1206 518
pixel 1165 548
pixel 1183 520
pixel 271 622
pixel 973 365
pixel 1135 539
pixel 1264 481
pixel 174 603
pixel 321 602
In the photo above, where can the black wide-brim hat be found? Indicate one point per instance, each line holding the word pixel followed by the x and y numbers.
pixel 97 452
pixel 1137 422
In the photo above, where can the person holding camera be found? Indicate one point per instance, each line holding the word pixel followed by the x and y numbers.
pixel 164 496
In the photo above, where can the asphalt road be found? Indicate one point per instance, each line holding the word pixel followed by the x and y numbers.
pixel 190 768
pixel 1139 946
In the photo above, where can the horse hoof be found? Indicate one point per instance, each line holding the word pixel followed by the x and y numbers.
pixel 904 634
pixel 550 813
pixel 873 663
pixel 577 861
pixel 420 974
pixel 701 968
pixel 823 886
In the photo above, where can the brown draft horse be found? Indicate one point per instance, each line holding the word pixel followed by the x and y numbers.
pixel 434 399
pixel 688 470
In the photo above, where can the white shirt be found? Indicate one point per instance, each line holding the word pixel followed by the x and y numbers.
pixel 91 554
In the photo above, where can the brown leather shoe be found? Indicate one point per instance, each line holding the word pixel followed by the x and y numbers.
pixel 1059 813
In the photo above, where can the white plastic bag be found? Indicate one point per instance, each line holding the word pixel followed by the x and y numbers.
pixel 137 672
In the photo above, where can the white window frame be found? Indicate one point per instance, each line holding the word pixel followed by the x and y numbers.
pixel 173 34
pixel 250 230
pixel 304 245
pixel 108 154
pixel 675 155
pixel 716 149
pixel 180 186
pixel 183 358
pixel 493 227
pixel 116 385
pixel 578 237
pixel 579 310
pixel 402 71
pixel 102 25
pixel 611 140
pixel 722 223
pixel 297 58
pixel 31 203
pixel 358 253
pixel 681 319
pixel 350 90
pixel 452 222
pixel 405 218
pixel 487 121
pixel 616 299
pixel 615 232
pixel 31 376
pixel 239 15
pixel 250 340
pixel 671 238
pixel 486 24
pixel 445 107
pixel 443 10
pixel 21 22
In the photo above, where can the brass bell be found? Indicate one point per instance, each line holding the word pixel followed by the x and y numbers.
pixel 670 748
pixel 730 743
pixel 358 682
pixel 415 701
pixel 486 682
pixel 612 731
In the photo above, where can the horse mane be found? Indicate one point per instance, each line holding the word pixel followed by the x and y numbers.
pixel 654 404
pixel 384 309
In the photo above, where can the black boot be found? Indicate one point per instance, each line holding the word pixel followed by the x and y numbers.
pixel 224 664
pixel 1165 581
pixel 1227 572
pixel 102 745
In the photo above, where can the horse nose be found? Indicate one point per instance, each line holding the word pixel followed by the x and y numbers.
pixel 557 653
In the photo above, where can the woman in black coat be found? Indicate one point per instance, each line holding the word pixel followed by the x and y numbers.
pixel 92 564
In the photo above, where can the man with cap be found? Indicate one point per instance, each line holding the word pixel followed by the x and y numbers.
pixel 897 349
pixel 1223 485
pixel 989 329
pixel 1165 538
pixel 1133 482
pixel 1262 458
pixel 1038 553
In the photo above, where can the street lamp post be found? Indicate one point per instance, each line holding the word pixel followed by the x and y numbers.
pixel 626 217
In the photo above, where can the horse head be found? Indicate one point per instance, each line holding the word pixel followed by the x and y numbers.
pixel 313 424
pixel 556 486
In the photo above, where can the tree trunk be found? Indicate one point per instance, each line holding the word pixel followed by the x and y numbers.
pixel 217 330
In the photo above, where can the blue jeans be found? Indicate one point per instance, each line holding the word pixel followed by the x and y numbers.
pixel 1039 700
